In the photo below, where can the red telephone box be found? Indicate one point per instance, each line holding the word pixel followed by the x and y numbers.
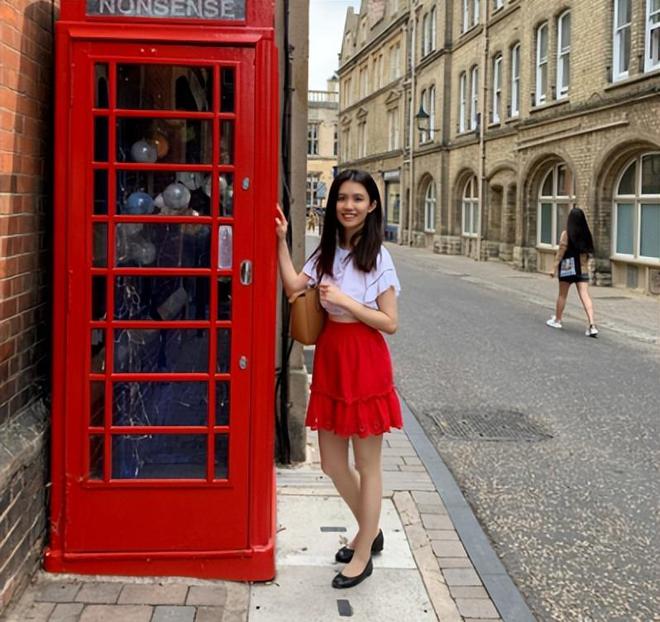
pixel 165 265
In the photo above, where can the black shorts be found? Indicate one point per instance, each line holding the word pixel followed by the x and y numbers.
pixel 577 278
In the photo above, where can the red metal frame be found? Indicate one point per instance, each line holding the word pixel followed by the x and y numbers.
pixel 207 528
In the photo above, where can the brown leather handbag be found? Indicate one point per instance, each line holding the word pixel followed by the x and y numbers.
pixel 307 316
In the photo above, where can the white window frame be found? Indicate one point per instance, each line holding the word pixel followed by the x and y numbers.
pixel 476 10
pixel 466 16
pixel 462 102
pixel 434 43
pixel 617 38
pixel 497 88
pixel 515 80
pixel 474 97
pixel 652 39
pixel 541 91
pixel 555 200
pixel 313 180
pixel 638 199
pixel 470 208
pixel 563 54
pixel 313 139
pixel 362 139
pixel 425 35
pixel 429 207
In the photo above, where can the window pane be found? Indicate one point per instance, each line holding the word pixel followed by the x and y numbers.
pixel 224 350
pixel 101 191
pixel 101 139
pixel 225 247
pixel 546 223
pixel 623 12
pixel 163 193
pixel 222 403
pixel 224 298
pixel 227 142
pixel 96 404
pixel 100 245
pixel 101 91
pixel 163 245
pixel 98 298
pixel 161 350
pixel 184 141
pixel 625 221
pixel 547 186
pixel 95 457
pixel 628 182
pixel 159 403
pixel 165 87
pixel 97 354
pixel 651 174
pixel 650 233
pixel 566 71
pixel 562 217
pixel 624 49
pixel 226 195
pixel 221 456
pixel 161 298
pixel 227 89
pixel 566 31
pixel 564 182
pixel 159 456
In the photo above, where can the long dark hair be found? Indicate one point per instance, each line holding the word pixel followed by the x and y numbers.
pixel 364 244
pixel 579 235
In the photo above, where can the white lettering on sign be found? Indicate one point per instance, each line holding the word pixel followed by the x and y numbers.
pixel 187 9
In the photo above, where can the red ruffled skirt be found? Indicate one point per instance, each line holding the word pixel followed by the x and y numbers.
pixel 352 385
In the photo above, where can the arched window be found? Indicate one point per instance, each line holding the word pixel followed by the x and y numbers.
pixel 462 102
pixel 429 207
pixel 471 207
pixel 541 64
pixel 636 215
pixel 474 97
pixel 556 199
pixel 563 54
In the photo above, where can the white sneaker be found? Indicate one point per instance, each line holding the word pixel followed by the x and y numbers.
pixel 592 331
pixel 553 323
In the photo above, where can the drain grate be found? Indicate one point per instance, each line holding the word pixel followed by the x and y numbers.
pixel 488 425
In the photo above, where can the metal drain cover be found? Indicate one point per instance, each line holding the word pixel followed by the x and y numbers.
pixel 488 425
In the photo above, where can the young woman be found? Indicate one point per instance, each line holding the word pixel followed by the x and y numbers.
pixel 571 265
pixel 352 394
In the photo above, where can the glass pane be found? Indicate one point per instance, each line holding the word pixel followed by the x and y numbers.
pixel 651 174
pixel 100 139
pixel 160 403
pixel 98 351
pixel 628 182
pixel 624 49
pixel 96 404
pixel 163 245
pixel 185 141
pixel 547 190
pixel 623 12
pixel 161 350
pixel 225 246
pixel 165 87
pixel 159 456
pixel 226 195
pixel 100 191
pixel 163 193
pixel 564 181
pixel 101 90
pixel 98 298
pixel 566 71
pixel 625 227
pixel 100 250
pixel 224 350
pixel 562 217
pixel 227 142
pixel 221 456
pixel 224 298
pixel 95 457
pixel 227 89
pixel 650 233
pixel 546 223
pixel 161 298
pixel 566 31
pixel 222 403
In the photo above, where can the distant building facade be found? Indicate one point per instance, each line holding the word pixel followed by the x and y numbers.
pixel 532 108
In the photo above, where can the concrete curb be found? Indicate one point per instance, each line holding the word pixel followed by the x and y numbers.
pixel 505 595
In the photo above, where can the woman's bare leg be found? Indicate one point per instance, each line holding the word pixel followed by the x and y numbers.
pixel 334 463
pixel 583 293
pixel 368 463
pixel 561 299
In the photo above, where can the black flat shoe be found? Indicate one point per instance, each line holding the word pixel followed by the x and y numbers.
pixel 340 581
pixel 345 555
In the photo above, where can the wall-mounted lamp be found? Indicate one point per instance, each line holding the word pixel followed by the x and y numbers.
pixel 423 120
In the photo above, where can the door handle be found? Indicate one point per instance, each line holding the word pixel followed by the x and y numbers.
pixel 246 272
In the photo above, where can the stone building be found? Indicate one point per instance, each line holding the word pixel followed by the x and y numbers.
pixel 533 107
pixel 322 140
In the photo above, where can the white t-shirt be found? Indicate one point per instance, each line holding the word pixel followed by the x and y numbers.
pixel 363 287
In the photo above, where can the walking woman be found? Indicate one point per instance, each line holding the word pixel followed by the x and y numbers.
pixel 352 394
pixel 572 266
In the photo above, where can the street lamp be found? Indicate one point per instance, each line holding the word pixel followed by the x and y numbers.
pixel 423 119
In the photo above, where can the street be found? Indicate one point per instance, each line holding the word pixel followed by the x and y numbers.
pixel 568 490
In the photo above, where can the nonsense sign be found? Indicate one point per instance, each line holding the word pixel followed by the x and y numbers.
pixel 173 9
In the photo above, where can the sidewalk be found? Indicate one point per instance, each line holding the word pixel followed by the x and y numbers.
pixel 424 573
pixel 624 311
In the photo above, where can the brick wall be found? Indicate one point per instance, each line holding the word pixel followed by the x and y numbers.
pixel 26 55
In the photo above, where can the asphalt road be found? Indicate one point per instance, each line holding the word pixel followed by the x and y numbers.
pixel 573 510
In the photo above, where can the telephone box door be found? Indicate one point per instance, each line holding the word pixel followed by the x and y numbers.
pixel 160 306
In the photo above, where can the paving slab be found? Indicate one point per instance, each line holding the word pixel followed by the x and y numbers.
pixel 66 612
pixel 116 613
pixel 99 593
pixel 304 593
pixel 150 594
pixel 311 533
pixel 173 613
